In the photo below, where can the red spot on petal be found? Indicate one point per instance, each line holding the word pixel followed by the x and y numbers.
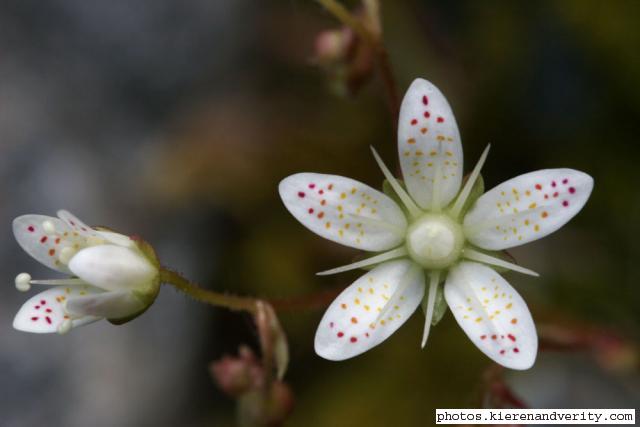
pixel 48 310
pixel 565 203
pixel 565 181
pixel 366 334
pixel 555 194
pixel 330 187
pixel 37 307
pixel 310 210
pixel 331 325
pixel 301 194
pixel 427 114
pixel 553 183
pixel 72 223
pixel 425 100
pixel 516 350
pixel 52 252
pixel 493 337
pixel 48 319
pixel 43 302
pixel 321 192
pixel 511 337
pixel 414 122
pixel 340 334
pixel 34 318
pixel 546 196
pixel 58 241
pixel 572 190
pixel 440 119
pixel 312 186
pixel 483 337
pixel 320 215
pixel 43 239
pixel 31 229
pixel 353 339
pixel 538 187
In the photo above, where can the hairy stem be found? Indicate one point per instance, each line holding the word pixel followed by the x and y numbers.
pixel 206 296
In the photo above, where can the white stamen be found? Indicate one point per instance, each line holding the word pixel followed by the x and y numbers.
pixel 48 227
pixel 488 259
pixel 65 327
pixel 431 302
pixel 464 194
pixel 66 254
pixel 408 202
pixel 59 282
pixel 386 256
pixel 23 282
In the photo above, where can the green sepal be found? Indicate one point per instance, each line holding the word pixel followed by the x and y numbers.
pixel 149 295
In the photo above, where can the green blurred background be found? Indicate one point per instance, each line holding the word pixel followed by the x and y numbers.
pixel 176 121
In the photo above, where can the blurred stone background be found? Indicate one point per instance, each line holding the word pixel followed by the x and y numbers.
pixel 176 120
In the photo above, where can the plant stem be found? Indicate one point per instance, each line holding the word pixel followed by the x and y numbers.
pixel 375 41
pixel 206 296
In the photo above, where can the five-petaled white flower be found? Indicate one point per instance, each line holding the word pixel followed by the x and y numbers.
pixel 113 276
pixel 439 229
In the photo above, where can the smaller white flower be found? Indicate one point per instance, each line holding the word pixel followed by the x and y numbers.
pixel 112 276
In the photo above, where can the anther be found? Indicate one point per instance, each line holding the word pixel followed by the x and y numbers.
pixel 66 254
pixel 48 227
pixel 23 282
pixel 65 327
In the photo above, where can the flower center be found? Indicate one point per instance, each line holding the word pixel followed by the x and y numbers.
pixel 435 241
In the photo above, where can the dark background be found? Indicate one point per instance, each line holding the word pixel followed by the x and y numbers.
pixel 176 120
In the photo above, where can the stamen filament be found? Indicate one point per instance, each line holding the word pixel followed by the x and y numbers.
pixel 408 202
pixel 474 255
pixel 60 282
pixel 386 256
pixel 431 303
pixel 464 194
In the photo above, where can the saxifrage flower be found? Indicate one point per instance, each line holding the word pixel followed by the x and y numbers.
pixel 432 228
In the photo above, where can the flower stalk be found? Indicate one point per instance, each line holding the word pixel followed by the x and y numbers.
pixel 206 296
pixel 373 38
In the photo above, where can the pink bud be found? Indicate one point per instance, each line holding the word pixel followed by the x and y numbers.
pixel 237 375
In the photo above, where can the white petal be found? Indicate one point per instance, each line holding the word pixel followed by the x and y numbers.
pixel 527 208
pixel 45 246
pixel 351 325
pixel 492 314
pixel 428 139
pixel 75 224
pixel 111 305
pixel 113 268
pixel 116 238
pixel 44 312
pixel 344 210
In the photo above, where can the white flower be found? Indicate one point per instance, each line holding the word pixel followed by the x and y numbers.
pixel 439 230
pixel 112 276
